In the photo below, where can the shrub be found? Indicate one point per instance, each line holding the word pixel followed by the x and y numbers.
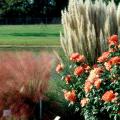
pixel 94 91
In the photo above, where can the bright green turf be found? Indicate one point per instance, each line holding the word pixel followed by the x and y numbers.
pixel 40 35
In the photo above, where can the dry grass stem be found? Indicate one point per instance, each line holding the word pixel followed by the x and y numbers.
pixel 87 26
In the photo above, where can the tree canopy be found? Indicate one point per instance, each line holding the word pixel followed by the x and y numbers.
pixel 33 8
pixel 36 8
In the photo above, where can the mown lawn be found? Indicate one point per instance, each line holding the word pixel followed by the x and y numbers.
pixel 27 35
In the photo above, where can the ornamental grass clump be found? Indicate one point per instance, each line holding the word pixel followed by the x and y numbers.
pixel 86 25
pixel 24 80
pixel 95 91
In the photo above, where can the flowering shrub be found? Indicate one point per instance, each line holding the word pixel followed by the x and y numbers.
pixel 74 76
pixel 95 91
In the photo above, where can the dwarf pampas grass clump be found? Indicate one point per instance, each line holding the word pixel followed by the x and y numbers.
pixel 24 80
pixel 87 25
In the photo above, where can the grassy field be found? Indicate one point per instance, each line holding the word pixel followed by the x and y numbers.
pixel 29 35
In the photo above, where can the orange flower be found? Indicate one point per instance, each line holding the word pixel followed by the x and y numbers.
pixel 84 101
pixel 81 58
pixel 59 68
pixel 70 95
pixel 104 57
pixel 119 46
pixel 86 67
pixel 113 40
pixel 112 61
pixel 98 70
pixel 118 112
pixel 68 79
pixel 97 83
pixel 109 96
pixel 79 70
pixel 88 86
pixel 115 60
pixel 76 57
pixel 107 65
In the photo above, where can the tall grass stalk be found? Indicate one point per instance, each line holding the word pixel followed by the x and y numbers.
pixel 87 26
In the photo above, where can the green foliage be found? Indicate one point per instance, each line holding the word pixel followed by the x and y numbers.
pixel 116 1
pixel 110 81
pixel 36 8
pixel 14 8
pixel 96 92
pixel 60 5
pixel 32 8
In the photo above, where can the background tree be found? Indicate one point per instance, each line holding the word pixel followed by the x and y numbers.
pixel 14 8
pixel 43 8
pixel 34 8
pixel 60 4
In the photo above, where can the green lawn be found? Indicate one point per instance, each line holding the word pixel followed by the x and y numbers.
pixel 40 35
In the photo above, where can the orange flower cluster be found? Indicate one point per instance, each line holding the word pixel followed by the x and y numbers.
pixel 82 79
pixel 81 69
pixel 76 57
pixel 68 79
pixel 84 101
pixel 78 71
pixel 88 86
pixel 104 57
pixel 59 68
pixel 93 79
pixel 113 40
pixel 112 61
pixel 109 96
pixel 70 95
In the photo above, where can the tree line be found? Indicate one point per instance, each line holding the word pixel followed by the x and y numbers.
pixel 10 9
pixel 31 8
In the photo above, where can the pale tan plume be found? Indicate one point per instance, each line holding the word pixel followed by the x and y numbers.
pixel 87 26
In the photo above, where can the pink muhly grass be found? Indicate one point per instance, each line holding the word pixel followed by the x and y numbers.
pixel 23 76
pixel 25 72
